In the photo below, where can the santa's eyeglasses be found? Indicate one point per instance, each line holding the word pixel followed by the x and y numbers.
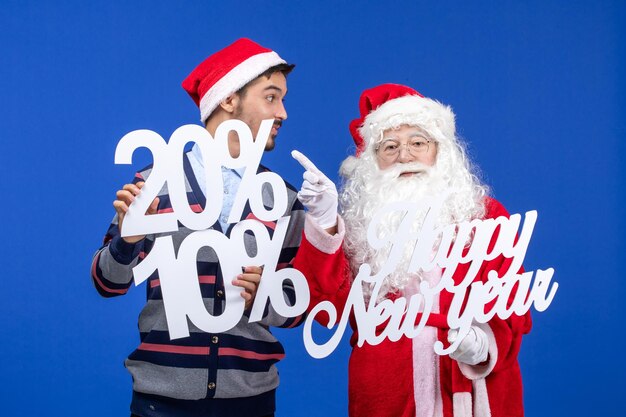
pixel 390 149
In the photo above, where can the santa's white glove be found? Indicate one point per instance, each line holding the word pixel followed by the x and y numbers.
pixel 474 347
pixel 318 193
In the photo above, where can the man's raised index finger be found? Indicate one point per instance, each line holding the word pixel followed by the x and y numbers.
pixel 305 162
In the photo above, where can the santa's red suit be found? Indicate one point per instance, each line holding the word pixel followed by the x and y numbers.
pixel 407 378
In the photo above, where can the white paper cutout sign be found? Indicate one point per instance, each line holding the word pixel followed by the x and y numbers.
pixel 178 273
pixel 469 298
pixel 179 276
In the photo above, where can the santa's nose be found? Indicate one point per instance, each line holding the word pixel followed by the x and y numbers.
pixel 405 156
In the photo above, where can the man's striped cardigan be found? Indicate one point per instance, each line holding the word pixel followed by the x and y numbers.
pixel 234 364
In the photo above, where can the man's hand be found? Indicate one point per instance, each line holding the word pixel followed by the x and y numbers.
pixel 318 193
pixel 125 198
pixel 474 347
pixel 249 280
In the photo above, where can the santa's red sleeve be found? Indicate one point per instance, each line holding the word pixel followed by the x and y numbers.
pixel 322 261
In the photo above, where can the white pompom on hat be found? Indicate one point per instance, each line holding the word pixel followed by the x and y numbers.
pixel 226 72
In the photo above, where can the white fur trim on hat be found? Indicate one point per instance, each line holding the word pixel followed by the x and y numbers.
pixel 235 79
pixel 435 118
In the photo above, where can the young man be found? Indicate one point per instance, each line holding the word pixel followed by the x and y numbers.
pixel 407 150
pixel 233 373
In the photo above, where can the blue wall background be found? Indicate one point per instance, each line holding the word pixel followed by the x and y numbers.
pixel 538 89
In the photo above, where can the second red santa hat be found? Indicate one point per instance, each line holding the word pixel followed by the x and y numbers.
pixel 391 105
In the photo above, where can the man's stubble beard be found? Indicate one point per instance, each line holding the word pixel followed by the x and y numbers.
pixel 271 140
pixel 271 143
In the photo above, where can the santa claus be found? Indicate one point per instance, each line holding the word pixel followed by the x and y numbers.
pixel 407 150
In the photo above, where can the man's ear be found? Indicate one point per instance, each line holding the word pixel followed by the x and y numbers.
pixel 230 103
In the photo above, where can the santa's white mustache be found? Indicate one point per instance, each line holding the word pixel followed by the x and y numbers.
pixel 410 167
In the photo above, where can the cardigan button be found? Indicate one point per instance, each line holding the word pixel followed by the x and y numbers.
pixel 220 293
pixel 211 385
pixel 215 339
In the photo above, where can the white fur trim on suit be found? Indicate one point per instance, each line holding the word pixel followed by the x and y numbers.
pixel 481 398
pixel 474 372
pixel 235 79
pixel 426 381
pixel 319 238
pixel 462 404
pixel 436 118
pixel 426 374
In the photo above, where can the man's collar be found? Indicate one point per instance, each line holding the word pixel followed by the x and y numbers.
pixel 197 153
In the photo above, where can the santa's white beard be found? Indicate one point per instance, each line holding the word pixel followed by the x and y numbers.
pixel 370 190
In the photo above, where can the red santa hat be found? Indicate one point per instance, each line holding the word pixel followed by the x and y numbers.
pixel 391 105
pixel 226 71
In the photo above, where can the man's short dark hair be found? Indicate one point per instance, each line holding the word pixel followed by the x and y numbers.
pixel 284 68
